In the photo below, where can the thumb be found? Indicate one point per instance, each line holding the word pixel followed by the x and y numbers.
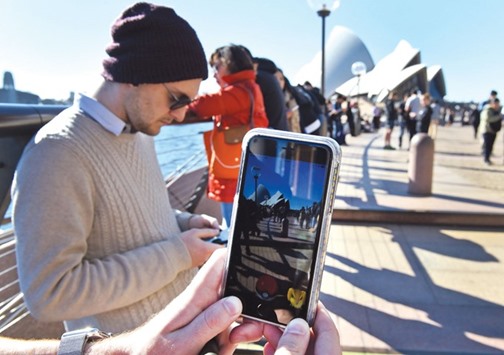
pixel 208 324
pixel 295 338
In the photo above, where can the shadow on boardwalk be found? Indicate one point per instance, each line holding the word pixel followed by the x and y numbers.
pixel 416 289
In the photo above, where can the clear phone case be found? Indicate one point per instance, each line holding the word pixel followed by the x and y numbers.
pixel 280 224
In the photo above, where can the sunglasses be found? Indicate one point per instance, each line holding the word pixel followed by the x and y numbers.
pixel 177 102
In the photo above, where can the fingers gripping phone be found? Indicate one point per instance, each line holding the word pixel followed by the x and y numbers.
pixel 280 224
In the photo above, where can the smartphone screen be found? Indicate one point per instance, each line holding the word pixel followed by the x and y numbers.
pixel 277 226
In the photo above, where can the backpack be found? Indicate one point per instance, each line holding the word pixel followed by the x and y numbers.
pixel 309 110
pixel 495 125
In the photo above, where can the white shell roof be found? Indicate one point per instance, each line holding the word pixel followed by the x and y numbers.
pixel 343 48
pixel 398 70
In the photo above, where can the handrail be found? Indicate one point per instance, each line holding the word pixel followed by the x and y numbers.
pixel 11 303
pixel 12 312
pixel 184 168
pixel 20 118
pixel 18 123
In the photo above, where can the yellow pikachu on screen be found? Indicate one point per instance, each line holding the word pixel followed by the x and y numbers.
pixel 296 297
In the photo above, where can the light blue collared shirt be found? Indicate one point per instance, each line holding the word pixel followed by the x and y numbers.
pixel 101 114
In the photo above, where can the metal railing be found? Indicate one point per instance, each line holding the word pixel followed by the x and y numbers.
pixel 18 123
pixel 12 307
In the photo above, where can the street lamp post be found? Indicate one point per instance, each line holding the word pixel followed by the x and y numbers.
pixel 256 171
pixel 323 13
pixel 358 69
pixel 324 9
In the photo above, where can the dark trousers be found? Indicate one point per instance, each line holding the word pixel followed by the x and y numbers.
pixel 475 124
pixel 336 131
pixel 489 140
pixel 411 125
pixel 376 122
pixel 402 129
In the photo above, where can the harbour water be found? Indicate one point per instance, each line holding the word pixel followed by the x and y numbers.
pixel 181 145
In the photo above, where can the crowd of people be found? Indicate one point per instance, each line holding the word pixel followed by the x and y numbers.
pixel 416 113
pixel 419 113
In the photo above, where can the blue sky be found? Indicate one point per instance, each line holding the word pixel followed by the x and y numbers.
pixel 56 46
pixel 306 193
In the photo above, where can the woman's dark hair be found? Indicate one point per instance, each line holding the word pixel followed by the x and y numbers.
pixel 287 85
pixel 235 58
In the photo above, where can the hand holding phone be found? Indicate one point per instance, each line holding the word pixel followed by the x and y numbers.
pixel 221 238
pixel 280 224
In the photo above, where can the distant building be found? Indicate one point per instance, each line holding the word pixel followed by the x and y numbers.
pixel 400 71
pixel 343 48
pixel 9 94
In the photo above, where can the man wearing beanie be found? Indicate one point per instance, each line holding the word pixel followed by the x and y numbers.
pixel 98 243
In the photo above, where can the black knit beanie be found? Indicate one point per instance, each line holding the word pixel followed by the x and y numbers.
pixel 152 44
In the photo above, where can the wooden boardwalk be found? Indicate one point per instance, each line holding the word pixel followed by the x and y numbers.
pixel 424 288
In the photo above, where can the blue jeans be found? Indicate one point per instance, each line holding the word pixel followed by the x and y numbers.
pixel 402 129
pixel 489 139
pixel 227 210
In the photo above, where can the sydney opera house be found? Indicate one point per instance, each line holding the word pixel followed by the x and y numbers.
pixel 401 70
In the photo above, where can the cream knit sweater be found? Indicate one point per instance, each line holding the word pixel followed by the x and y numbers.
pixel 97 240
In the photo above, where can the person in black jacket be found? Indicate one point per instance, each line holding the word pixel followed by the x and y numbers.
pixel 273 96
pixel 403 119
pixel 308 109
pixel 390 107
pixel 425 115
pixel 322 102
pixel 272 93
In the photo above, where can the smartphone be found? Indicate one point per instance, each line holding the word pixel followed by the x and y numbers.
pixel 280 224
pixel 221 238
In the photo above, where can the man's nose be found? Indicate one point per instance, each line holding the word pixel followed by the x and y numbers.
pixel 179 115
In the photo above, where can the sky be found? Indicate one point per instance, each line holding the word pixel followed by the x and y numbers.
pixel 301 193
pixel 53 47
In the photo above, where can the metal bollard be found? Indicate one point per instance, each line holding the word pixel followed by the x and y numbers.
pixel 421 164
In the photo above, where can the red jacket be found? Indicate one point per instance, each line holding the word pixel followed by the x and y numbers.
pixel 231 107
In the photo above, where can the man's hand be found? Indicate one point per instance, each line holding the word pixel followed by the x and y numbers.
pixel 196 316
pixel 203 221
pixel 298 339
pixel 199 249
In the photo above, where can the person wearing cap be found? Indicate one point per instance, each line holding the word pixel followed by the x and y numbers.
pixel 98 243
pixel 477 120
pixel 490 125
pixel 492 96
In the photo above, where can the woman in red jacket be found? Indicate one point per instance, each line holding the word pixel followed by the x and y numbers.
pixel 239 99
